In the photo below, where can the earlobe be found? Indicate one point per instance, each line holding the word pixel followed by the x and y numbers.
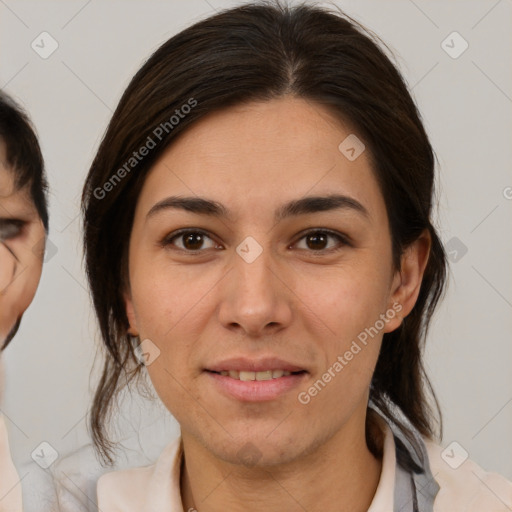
pixel 407 281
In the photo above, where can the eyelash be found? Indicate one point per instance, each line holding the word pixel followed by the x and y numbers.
pixel 10 228
pixel 342 239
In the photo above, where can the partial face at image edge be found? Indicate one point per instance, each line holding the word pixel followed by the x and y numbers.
pixel 22 241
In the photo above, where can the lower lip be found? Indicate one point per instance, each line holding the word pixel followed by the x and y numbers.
pixel 256 390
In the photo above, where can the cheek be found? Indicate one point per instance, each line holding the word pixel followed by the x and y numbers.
pixel 350 304
pixel 17 289
pixel 173 376
pixel 168 299
pixel 350 300
pixel 7 268
pixel 349 356
pixel 172 315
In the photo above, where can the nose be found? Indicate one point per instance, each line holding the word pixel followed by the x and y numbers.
pixel 255 298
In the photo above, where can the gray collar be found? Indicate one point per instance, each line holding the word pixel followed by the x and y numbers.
pixel 415 486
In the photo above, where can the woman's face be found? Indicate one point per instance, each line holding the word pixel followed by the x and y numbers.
pixel 254 285
pixel 22 236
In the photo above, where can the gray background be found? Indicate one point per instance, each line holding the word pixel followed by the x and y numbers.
pixel 466 106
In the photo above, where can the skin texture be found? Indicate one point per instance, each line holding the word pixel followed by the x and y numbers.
pixel 298 300
pixel 21 249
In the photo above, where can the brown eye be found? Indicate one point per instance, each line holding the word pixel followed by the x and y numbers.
pixel 191 240
pixel 318 240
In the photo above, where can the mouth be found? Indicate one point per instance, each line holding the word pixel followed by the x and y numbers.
pixel 248 376
pixel 255 380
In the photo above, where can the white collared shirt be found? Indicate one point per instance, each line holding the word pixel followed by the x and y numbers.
pixel 157 487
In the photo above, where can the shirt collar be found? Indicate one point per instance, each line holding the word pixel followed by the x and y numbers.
pixel 415 488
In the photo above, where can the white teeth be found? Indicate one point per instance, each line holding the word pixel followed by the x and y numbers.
pixel 248 376
pixel 264 375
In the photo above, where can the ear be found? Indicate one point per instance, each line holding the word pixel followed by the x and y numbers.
pixel 407 281
pixel 130 313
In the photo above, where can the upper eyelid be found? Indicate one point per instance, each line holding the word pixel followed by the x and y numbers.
pixel 9 220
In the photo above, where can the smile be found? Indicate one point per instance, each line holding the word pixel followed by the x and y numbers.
pixel 248 376
pixel 261 386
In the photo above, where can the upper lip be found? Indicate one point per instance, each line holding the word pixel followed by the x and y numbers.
pixel 254 365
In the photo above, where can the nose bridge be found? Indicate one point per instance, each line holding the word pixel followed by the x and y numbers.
pixel 253 273
pixel 252 298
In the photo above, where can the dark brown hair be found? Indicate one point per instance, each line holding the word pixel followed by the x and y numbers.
pixel 262 51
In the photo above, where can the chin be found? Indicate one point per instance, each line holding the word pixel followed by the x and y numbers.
pixel 257 450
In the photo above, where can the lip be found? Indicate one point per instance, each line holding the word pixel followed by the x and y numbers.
pixel 254 390
pixel 254 365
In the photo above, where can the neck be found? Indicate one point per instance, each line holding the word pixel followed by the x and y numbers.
pixel 341 470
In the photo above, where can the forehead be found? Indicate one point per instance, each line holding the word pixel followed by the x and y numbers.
pixel 286 147
pixel 13 202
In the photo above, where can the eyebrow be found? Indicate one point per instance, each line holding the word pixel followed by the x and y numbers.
pixel 303 206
